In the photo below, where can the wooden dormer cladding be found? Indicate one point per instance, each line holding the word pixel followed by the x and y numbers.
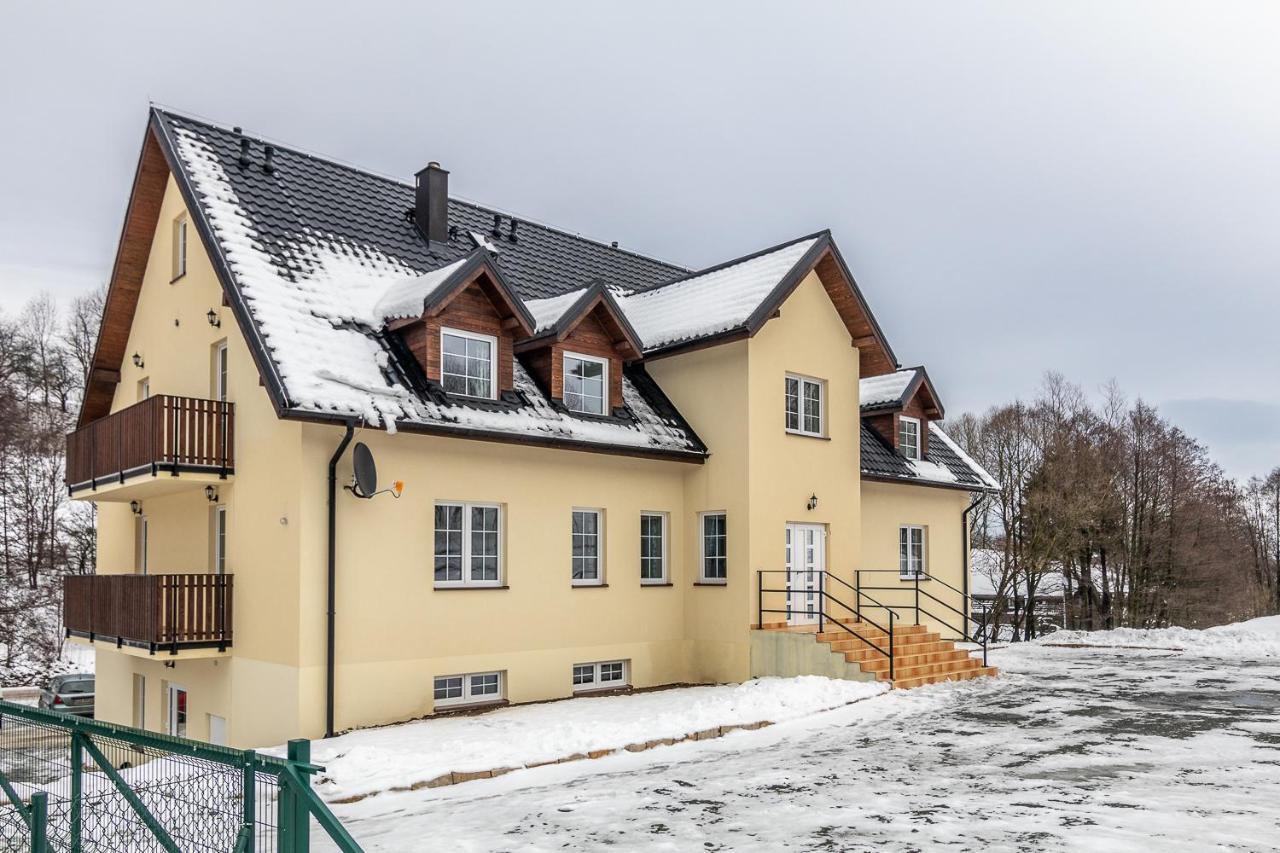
pixel 921 402
pixel 875 358
pixel 593 326
pixel 479 302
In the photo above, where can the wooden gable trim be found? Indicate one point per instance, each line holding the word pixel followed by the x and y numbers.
pixel 875 357
pixel 141 218
pixel 597 302
pixel 479 271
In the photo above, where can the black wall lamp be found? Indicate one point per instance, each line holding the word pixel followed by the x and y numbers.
pixel 135 507
pixel 211 494
pixel 813 502
pixel 137 360
pixel 214 319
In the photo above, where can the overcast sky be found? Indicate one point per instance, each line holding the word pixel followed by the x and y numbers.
pixel 1092 188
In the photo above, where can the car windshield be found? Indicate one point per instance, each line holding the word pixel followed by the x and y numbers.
pixel 75 687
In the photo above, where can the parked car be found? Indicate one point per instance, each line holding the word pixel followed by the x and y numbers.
pixel 72 694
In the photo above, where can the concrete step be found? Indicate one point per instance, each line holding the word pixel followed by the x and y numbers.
pixel 906 673
pixel 920 681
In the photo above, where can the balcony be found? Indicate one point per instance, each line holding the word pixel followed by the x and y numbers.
pixel 158 446
pixel 150 613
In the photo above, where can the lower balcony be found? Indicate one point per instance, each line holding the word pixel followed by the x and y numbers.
pixel 187 615
pixel 159 446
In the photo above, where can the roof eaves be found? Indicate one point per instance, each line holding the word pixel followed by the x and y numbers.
pixel 734 261
pixel 862 302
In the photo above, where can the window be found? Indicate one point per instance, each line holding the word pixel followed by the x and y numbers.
pixel 599 676
pixel 653 547
pixel 468 689
pixel 586 383
pixel 220 540
pixel 220 371
pixel 139 701
pixel 177 711
pixel 466 363
pixel 909 437
pixel 179 247
pixel 468 544
pixel 587 535
pixel 714 546
pixel 144 388
pixel 140 544
pixel 911 551
pixel 804 405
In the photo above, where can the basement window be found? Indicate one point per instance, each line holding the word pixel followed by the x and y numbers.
pixel 909 437
pixel 605 675
pixel 470 689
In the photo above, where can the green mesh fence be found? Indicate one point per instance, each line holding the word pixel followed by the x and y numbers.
pixel 113 788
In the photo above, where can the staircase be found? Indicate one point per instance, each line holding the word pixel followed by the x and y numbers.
pixel 905 655
pixel 919 658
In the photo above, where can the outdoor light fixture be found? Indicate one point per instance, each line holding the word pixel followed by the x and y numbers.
pixel 211 494
pixel 214 320
pixel 135 507
pixel 137 360
pixel 813 502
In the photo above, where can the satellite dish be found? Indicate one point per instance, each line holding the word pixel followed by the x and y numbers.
pixel 366 472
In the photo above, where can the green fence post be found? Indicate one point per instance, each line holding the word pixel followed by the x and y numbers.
pixel 40 823
pixel 295 825
pixel 77 791
pixel 250 797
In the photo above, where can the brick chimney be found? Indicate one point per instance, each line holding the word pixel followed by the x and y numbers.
pixel 431 203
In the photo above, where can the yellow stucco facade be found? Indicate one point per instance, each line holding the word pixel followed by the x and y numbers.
pixel 396 630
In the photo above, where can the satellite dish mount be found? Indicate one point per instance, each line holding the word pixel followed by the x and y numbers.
pixel 364 475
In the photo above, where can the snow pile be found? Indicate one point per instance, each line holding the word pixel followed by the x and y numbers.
pixel 710 302
pixel 374 760
pixel 547 311
pixel 1256 638
pixel 935 431
pixel 406 297
pixel 882 390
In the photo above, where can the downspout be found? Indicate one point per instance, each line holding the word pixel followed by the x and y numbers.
pixel 332 579
pixel 964 554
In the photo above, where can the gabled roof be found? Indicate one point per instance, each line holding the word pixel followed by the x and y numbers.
pixel 429 293
pixel 737 297
pixel 557 317
pixel 945 464
pixel 890 392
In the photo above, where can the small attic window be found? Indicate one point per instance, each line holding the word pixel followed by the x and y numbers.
pixel 586 383
pixel 909 437
pixel 179 246
pixel 467 363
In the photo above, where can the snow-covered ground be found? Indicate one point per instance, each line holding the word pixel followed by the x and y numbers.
pixel 1102 748
pixel 373 761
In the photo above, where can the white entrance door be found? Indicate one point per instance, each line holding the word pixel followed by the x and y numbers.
pixel 806 562
pixel 177 711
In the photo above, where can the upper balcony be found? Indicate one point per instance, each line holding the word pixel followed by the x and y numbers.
pixel 161 445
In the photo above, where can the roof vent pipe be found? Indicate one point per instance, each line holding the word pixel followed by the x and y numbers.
pixel 497 223
pixel 511 235
pixel 244 153
pixel 431 203
pixel 269 161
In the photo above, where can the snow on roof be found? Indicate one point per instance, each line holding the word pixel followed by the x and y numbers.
pixel 886 389
pixel 987 480
pixel 406 297
pixel 547 311
pixel 710 302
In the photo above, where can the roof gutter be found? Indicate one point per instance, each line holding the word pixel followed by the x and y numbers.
pixel 330 638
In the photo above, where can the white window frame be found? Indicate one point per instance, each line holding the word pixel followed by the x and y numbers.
pixel 904 558
pixel 141 534
pixel 588 677
pixel 220 539
pixel 493 361
pixel 139 701
pixel 220 370
pixel 467 580
pixel 144 388
pixel 468 695
pixel 604 379
pixel 180 227
pixel 664 521
pixel 803 383
pixel 598 580
pixel 703 556
pixel 915 449
pixel 171 711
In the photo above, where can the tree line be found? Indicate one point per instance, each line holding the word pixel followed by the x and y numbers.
pixel 1123 510
pixel 45 357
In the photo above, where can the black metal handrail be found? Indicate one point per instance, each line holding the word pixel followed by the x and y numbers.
pixel 821 612
pixel 965 618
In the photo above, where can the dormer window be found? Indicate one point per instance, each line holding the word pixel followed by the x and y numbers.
pixel 466 363
pixel 586 380
pixel 909 437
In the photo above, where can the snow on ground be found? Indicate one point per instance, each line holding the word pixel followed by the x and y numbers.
pixel 1257 638
pixel 376 760
pixel 1088 749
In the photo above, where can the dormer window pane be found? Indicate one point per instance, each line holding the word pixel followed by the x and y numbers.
pixel 466 363
pixel 585 380
pixel 909 437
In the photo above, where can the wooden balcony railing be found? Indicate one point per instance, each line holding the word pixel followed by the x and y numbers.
pixel 161 433
pixel 151 611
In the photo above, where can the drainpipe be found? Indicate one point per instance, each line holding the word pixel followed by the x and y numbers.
pixel 332 580
pixel 964 555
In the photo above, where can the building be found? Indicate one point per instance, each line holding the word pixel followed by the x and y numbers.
pixel 600 454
